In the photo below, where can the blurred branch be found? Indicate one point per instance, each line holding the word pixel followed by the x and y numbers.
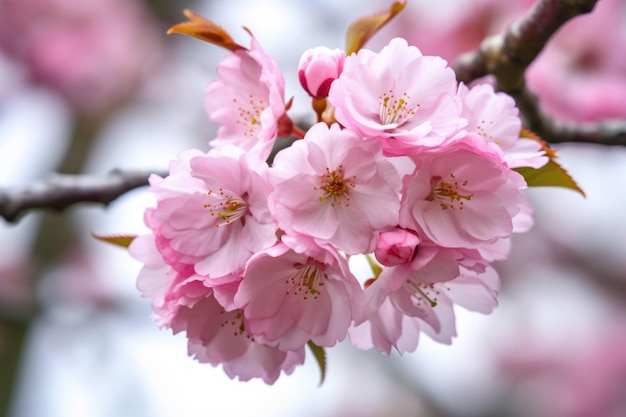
pixel 62 190
pixel 611 133
pixel 508 55
pixel 603 276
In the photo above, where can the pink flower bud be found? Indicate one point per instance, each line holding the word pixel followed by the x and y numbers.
pixel 318 68
pixel 396 246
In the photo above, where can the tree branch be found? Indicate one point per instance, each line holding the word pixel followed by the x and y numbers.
pixel 62 190
pixel 509 54
pixel 611 133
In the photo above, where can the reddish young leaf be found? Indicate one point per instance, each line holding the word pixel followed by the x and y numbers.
pixel 203 29
pixel 550 153
pixel 361 30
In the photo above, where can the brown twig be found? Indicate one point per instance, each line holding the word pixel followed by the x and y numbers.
pixel 509 54
pixel 62 190
pixel 610 133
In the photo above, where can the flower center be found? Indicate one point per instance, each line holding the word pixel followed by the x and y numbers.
pixel 228 207
pixel 395 110
pixel 307 281
pixel 446 192
pixel 250 115
pixel 483 128
pixel 423 293
pixel 234 321
pixel 335 187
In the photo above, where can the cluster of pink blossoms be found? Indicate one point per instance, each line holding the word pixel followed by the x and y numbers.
pixel 405 167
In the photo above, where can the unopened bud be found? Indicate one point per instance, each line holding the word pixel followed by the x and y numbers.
pixel 396 246
pixel 318 68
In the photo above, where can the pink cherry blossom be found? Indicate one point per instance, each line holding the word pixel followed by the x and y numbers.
pixel 409 299
pixel 250 261
pixel 463 195
pixel 396 246
pixel 494 116
pixel 387 328
pixel 248 101
pixel 211 213
pixel 167 288
pixel 336 187
pixel 318 68
pixel 217 336
pixel 290 297
pixel 400 303
pixel 399 96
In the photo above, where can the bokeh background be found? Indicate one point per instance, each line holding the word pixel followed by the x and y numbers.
pixel 89 86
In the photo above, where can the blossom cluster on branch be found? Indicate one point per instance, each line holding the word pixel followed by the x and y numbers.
pixel 405 168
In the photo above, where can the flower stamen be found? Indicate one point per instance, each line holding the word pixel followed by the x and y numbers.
pixel 308 280
pixel 421 291
pixel 236 323
pixel 394 110
pixel 250 115
pixel 228 208
pixel 446 192
pixel 335 187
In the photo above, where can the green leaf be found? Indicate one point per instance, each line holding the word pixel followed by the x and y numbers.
pixel 320 356
pixel 123 241
pixel 361 30
pixel 551 174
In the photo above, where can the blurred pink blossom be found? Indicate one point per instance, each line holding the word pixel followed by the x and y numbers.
pixel 581 74
pixel 588 378
pixel 94 52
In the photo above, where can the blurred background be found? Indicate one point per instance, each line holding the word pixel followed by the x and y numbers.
pixel 86 87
